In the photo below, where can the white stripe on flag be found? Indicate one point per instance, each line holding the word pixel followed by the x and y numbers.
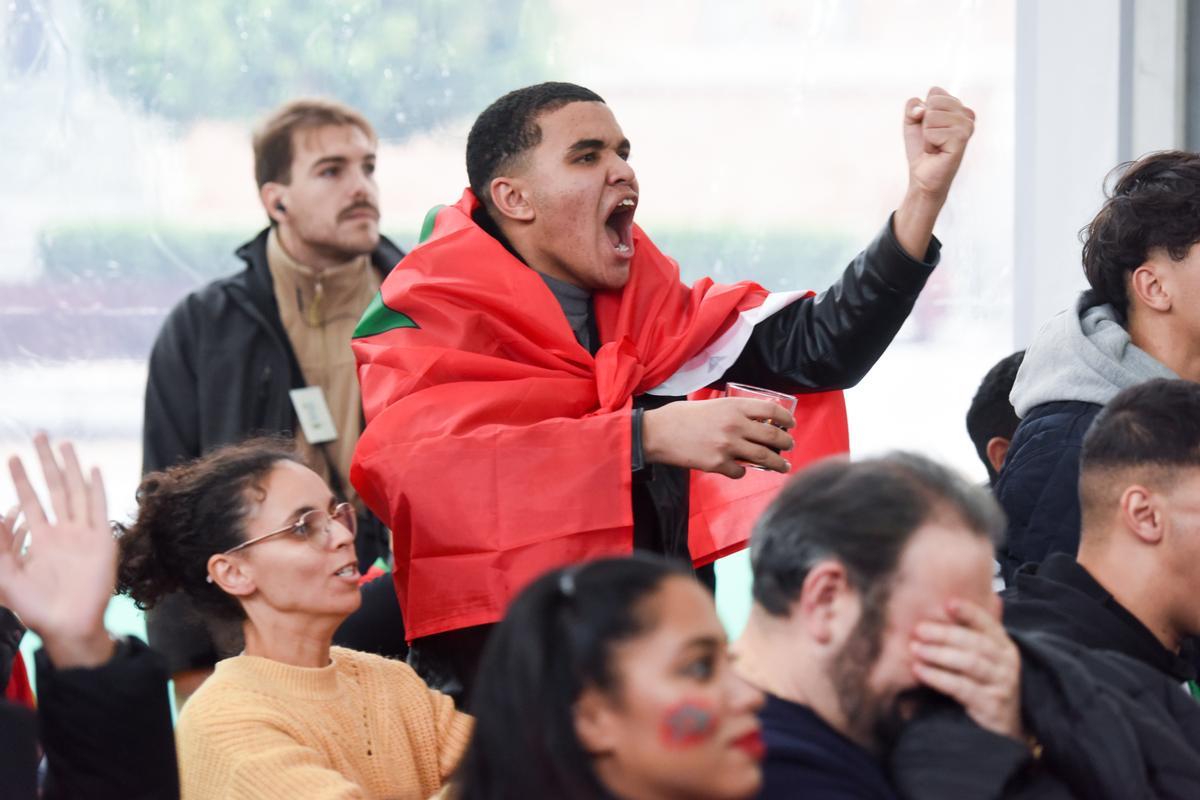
pixel 707 366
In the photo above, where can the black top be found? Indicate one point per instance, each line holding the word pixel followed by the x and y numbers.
pixel 807 758
pixel 106 731
pixel 1060 596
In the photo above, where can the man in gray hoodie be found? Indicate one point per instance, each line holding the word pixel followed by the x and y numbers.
pixel 1140 320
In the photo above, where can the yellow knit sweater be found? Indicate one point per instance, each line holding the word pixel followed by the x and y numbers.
pixel 363 727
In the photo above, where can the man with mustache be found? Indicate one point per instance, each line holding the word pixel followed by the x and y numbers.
pixel 231 356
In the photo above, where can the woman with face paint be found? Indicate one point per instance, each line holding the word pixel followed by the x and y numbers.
pixel 256 538
pixel 611 680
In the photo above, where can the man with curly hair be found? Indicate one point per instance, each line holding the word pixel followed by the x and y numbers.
pixel 1140 320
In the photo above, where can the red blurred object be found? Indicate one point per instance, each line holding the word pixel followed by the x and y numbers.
pixel 18 690
pixel 497 447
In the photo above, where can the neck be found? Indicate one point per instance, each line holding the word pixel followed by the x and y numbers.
pixel 284 638
pixel 315 258
pixel 772 655
pixel 1118 571
pixel 1155 334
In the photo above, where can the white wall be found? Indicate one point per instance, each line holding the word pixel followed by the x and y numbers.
pixel 1098 82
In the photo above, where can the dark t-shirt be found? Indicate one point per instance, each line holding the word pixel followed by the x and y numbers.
pixel 807 758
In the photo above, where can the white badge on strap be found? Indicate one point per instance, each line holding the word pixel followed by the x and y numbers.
pixel 313 413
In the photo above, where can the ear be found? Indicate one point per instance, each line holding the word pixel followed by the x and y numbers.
pixel 510 197
pixel 1141 514
pixel 997 451
pixel 1146 284
pixel 273 195
pixel 595 722
pixel 231 576
pixel 825 602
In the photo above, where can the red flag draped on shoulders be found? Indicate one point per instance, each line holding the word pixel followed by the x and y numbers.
pixel 498 447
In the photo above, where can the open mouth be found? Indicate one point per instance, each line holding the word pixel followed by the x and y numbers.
pixel 348 571
pixel 619 227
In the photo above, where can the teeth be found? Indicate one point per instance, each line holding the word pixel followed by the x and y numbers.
pixel 628 201
pixel 622 248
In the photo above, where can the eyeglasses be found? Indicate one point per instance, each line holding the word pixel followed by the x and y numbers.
pixel 313 527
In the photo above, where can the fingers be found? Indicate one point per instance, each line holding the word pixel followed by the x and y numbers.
pixel 77 493
pixel 914 111
pixel 54 479
pixel 765 411
pixel 96 500
pixel 766 435
pixel 976 617
pixel 761 456
pixel 952 684
pixel 731 469
pixel 969 662
pixel 31 507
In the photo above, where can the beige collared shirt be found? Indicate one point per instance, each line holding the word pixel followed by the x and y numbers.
pixel 319 311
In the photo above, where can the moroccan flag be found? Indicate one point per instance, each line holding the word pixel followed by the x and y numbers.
pixel 497 447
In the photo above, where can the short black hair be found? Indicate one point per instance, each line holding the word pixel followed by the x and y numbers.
pixel 863 515
pixel 508 127
pixel 991 413
pixel 1153 423
pixel 1154 204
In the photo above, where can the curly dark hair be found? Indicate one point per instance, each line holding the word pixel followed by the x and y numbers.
pixel 188 513
pixel 1155 204
pixel 508 127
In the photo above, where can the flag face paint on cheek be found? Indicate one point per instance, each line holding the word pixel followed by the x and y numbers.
pixel 688 724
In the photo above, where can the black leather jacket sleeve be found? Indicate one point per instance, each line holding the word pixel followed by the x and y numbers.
pixel 831 340
pixel 107 730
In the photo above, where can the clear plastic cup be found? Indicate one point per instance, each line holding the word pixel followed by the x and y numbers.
pixel 788 401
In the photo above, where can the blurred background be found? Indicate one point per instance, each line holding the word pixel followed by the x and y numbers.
pixel 766 136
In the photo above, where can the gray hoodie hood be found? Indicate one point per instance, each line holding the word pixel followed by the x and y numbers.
pixel 1081 354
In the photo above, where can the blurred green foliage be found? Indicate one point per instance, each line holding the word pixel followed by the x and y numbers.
pixel 150 252
pixel 406 65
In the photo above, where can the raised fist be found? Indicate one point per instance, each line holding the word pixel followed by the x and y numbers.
pixel 936 131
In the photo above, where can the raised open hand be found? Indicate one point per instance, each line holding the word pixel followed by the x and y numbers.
pixel 62 583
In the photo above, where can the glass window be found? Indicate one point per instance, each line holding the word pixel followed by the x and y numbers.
pixel 766 136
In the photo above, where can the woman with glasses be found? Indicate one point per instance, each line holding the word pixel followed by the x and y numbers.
pixel 611 680
pixel 250 533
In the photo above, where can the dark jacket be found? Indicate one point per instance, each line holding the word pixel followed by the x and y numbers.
pixel 828 341
pixel 1038 486
pixel 809 759
pixel 11 631
pixel 106 732
pixel 1078 362
pixel 1059 596
pixel 1109 728
pixel 220 371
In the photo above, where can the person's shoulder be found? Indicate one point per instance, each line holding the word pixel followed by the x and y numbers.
pixel 1062 417
pixel 228 700
pixel 369 664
